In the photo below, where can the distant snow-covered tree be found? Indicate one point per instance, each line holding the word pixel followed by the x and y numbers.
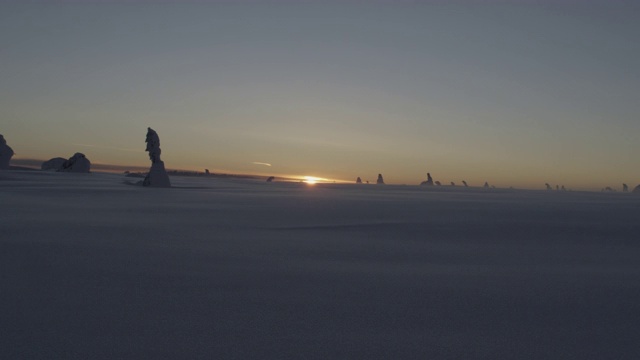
pixel 429 181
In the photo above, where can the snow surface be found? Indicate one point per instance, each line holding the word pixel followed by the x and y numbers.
pixel 93 268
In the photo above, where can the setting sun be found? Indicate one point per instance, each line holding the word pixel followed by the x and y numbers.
pixel 311 180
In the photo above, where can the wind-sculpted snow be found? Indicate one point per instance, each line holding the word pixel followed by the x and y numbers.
pixel 242 269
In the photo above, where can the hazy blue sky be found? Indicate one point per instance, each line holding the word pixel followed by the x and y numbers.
pixel 516 93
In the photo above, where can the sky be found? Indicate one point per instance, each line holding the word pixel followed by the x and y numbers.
pixel 515 93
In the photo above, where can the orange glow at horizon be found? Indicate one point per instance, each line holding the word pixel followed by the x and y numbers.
pixel 312 180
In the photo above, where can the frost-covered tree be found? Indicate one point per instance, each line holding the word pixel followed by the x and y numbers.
pixel 157 176
pixel 78 163
pixel 429 181
pixel 6 152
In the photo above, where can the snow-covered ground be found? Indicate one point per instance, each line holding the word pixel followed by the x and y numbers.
pixel 92 268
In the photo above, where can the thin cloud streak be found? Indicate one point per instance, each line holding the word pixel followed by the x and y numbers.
pixel 261 163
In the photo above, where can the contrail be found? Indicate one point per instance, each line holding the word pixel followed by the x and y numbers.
pixel 261 163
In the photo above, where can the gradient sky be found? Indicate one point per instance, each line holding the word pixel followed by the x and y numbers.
pixel 516 93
